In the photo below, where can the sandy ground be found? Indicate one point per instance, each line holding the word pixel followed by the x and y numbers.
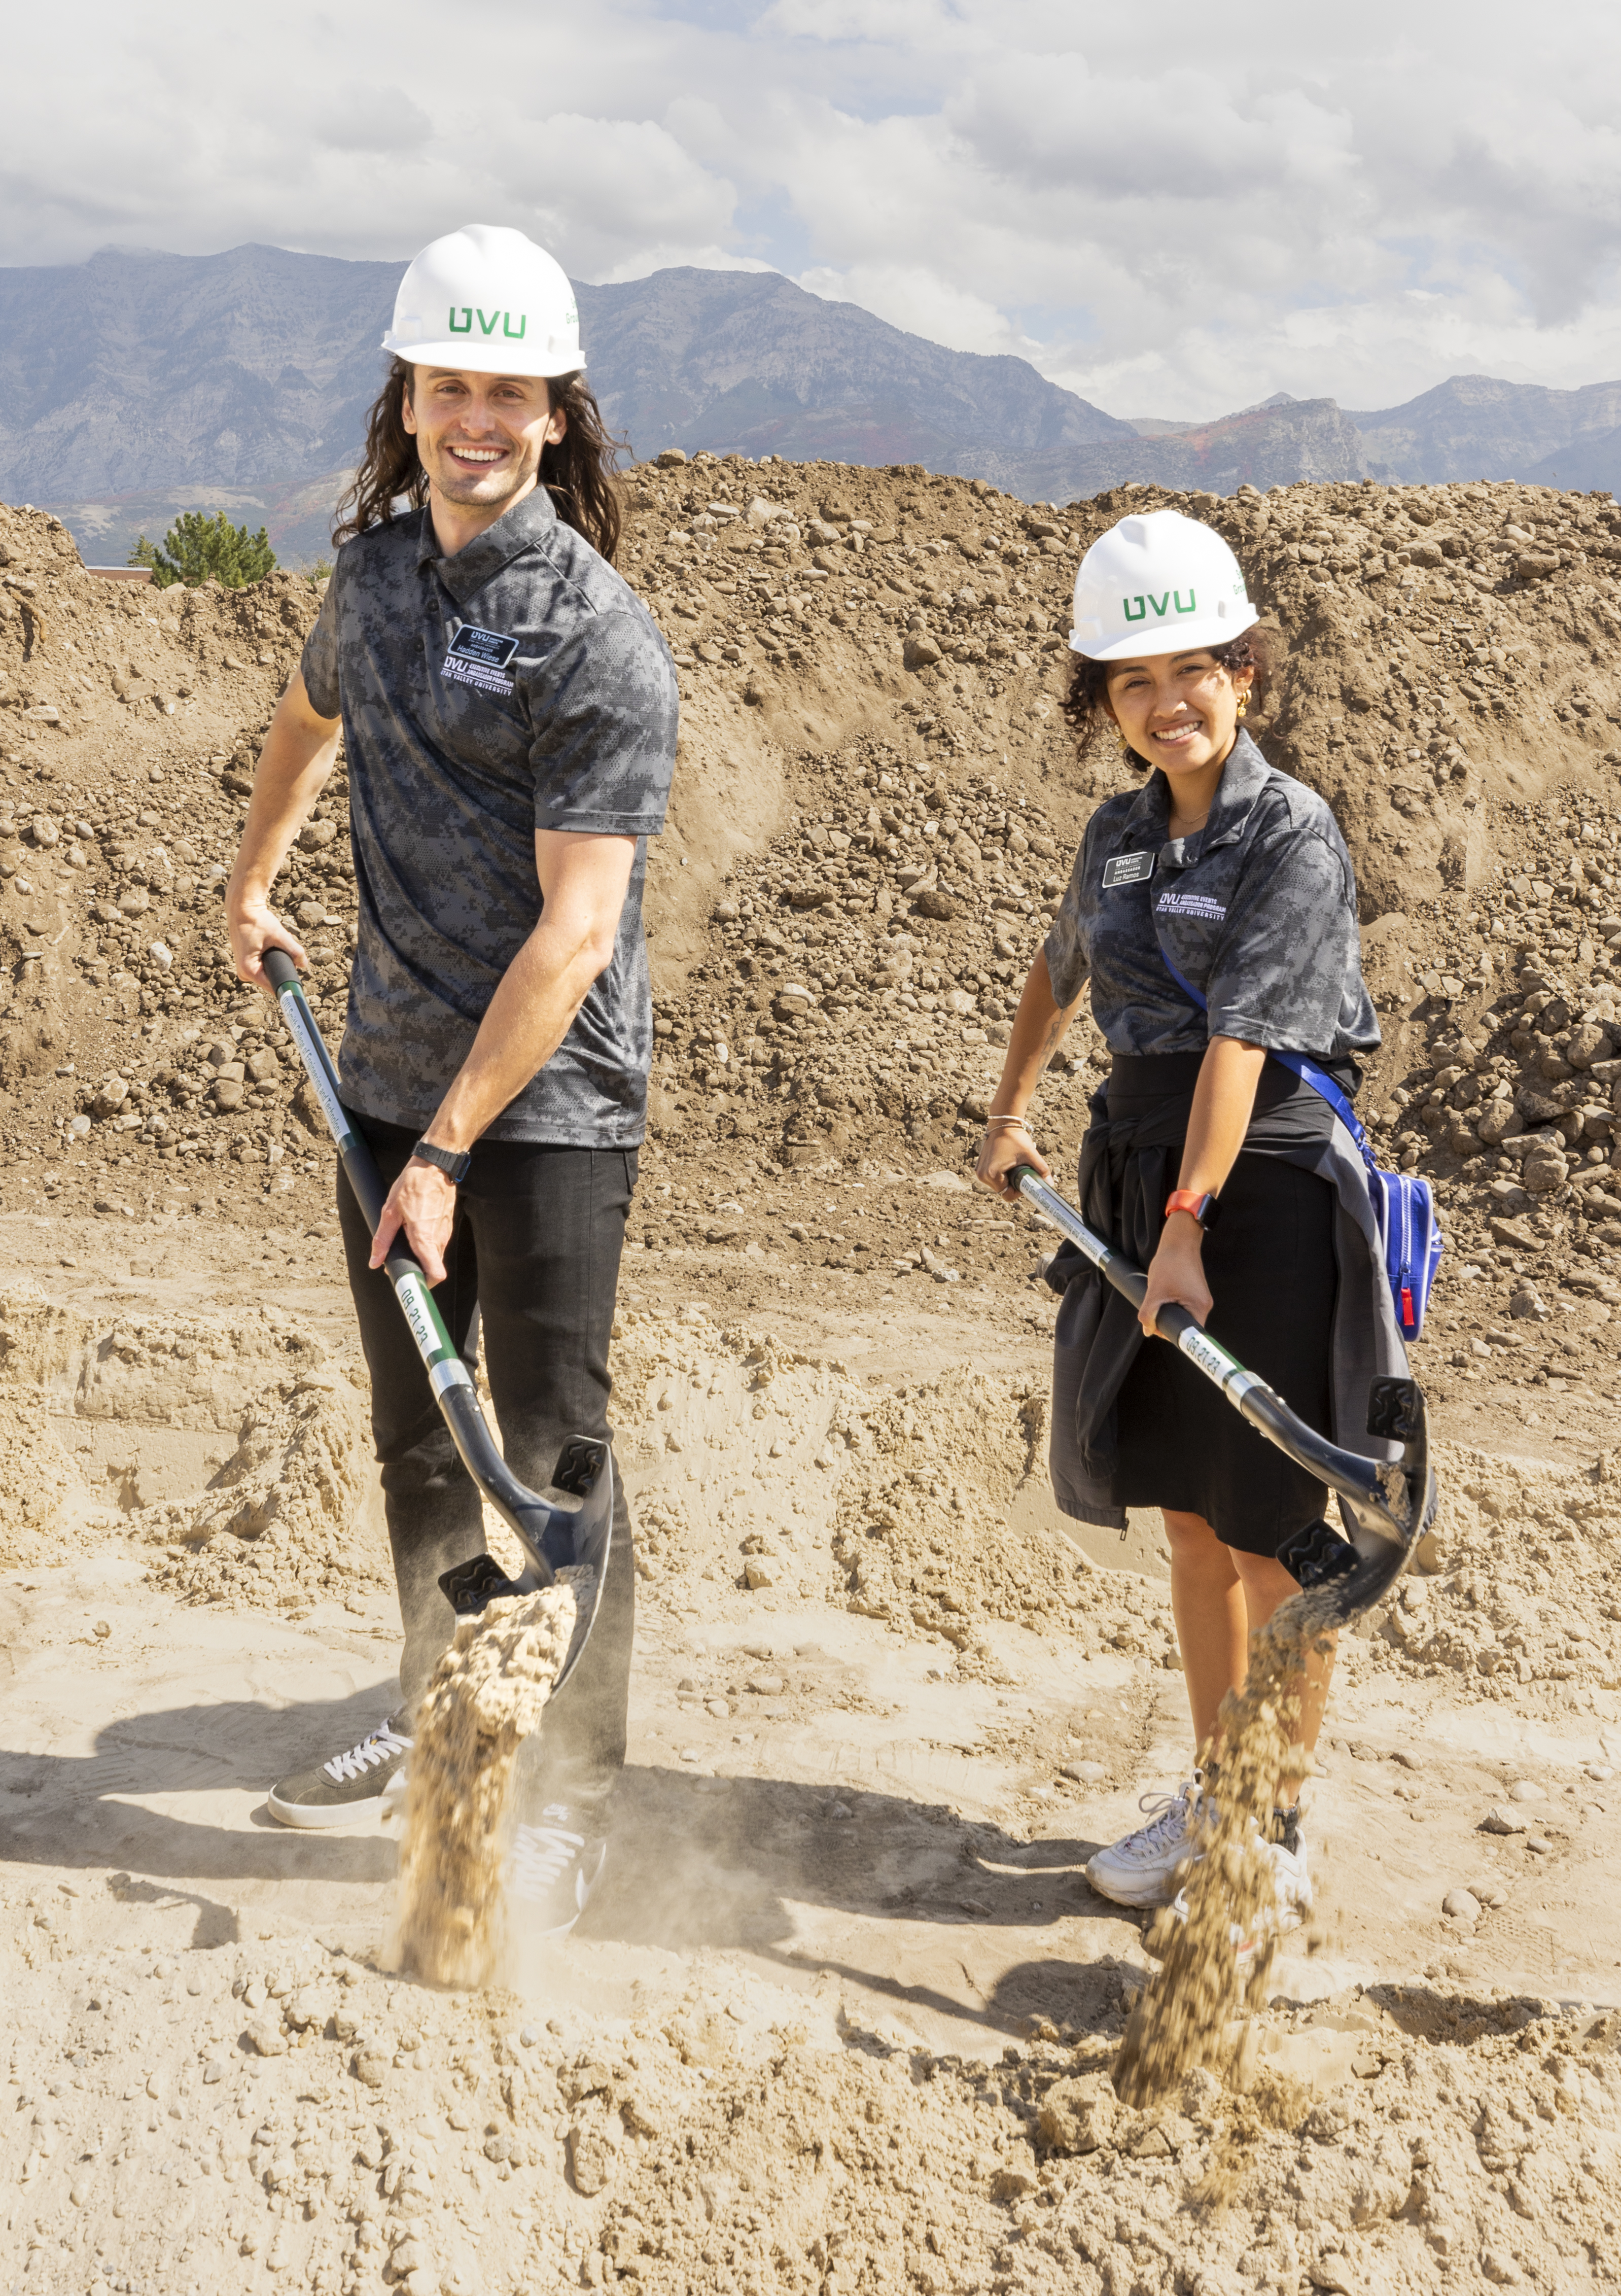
pixel 833 1827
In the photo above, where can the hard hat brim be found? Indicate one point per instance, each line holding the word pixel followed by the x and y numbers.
pixel 455 353
pixel 1183 637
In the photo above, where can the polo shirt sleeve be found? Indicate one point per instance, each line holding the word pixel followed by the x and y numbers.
pixel 604 747
pixel 319 661
pixel 1068 962
pixel 1288 951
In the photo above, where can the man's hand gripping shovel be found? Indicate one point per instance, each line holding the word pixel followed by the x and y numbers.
pixel 576 1524
pixel 1387 1507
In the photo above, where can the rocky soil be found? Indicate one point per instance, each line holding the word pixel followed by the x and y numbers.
pixel 841 2017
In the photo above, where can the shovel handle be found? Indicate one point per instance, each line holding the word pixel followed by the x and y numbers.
pixel 1390 1505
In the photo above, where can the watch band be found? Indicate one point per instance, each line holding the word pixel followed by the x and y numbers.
pixel 1189 1200
pixel 454 1167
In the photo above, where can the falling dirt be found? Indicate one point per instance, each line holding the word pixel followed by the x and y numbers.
pixel 485 1699
pixel 1218 1944
pixel 841 2017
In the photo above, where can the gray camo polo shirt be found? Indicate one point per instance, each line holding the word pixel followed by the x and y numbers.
pixel 520 685
pixel 1258 910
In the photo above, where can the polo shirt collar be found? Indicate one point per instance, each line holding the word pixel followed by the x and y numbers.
pixel 1243 777
pixel 516 530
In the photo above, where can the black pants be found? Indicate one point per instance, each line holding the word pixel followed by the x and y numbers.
pixel 534 1258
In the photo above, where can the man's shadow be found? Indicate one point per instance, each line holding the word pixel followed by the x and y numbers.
pixel 695 1866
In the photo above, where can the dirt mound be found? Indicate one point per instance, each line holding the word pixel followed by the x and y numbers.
pixel 242 1453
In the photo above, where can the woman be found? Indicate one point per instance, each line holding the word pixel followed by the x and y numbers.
pixel 1220 1171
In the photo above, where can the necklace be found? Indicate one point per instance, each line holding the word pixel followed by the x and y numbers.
pixel 1189 829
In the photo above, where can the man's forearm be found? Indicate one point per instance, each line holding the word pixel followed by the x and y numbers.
pixel 527 1019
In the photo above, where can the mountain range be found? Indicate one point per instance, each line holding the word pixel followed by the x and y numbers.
pixel 137 384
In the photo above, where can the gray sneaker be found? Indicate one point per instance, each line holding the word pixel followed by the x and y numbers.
pixel 369 1780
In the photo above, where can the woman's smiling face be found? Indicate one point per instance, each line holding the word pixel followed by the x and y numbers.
pixel 1177 710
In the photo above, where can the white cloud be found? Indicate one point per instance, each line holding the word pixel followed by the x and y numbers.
pixel 1183 217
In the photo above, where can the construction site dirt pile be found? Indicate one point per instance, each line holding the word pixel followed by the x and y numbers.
pixel 876 806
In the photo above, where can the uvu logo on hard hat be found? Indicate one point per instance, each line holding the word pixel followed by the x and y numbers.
pixel 486 322
pixel 1160 606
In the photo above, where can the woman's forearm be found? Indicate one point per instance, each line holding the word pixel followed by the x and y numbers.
pixel 1040 1026
pixel 1224 1099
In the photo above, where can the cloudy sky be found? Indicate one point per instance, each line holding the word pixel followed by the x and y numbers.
pixel 1174 211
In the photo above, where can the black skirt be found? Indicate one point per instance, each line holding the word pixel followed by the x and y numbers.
pixel 1269 1262
pixel 1134 1424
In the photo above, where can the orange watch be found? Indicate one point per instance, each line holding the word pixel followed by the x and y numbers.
pixel 1189 1200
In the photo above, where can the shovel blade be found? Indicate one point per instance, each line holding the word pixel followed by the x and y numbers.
pixel 578 1534
pixel 1383 1535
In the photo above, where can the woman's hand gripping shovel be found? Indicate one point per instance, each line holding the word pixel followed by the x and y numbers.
pixel 1388 1508
pixel 551 1533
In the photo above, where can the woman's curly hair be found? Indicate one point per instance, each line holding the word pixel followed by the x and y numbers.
pixel 1087 700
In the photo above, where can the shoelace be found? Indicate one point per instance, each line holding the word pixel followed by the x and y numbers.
pixel 381 1746
pixel 543 1854
pixel 1171 1819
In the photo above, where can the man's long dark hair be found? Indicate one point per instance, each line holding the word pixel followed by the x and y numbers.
pixel 577 472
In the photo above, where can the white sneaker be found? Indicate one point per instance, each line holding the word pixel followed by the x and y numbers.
pixel 1292 1897
pixel 1292 1882
pixel 553 1872
pixel 1142 1870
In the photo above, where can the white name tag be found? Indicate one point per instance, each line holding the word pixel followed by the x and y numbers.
pixel 1128 869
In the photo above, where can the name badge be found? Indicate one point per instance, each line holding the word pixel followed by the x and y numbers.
pixel 1128 869
pixel 477 657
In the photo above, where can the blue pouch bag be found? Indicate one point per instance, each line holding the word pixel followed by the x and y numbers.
pixel 1403 1206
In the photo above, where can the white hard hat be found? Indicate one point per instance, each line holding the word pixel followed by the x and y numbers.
pixel 1157 584
pixel 488 299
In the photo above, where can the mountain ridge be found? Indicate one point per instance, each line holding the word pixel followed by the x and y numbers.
pixel 140 382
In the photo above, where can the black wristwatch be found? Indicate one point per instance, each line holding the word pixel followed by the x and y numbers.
pixel 454 1167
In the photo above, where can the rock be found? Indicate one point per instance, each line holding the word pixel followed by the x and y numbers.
pixel 759 1574
pixel 1462 1906
pixel 918 651
pixel 1514 1233
pixel 766 1685
pixel 1085 1774
pixel 591 2160
pixel 215 2070
pixel 1501 1820
pixel 308 2006
pixel 1078 2116
pixel 1338 2275
pixel 1527 1300
pixel 932 902
pixel 1539 1845
pixel 266 2038
pixel 1525 1790
pixel 228 1095
pixel 136 901
pixel 1591 1041
pixel 1012 2184
pixel 372 2066
pixel 670 458
pixel 1544 1172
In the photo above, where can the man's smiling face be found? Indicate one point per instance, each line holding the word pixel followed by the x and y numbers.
pixel 480 436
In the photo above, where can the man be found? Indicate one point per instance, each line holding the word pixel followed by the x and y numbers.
pixel 509 711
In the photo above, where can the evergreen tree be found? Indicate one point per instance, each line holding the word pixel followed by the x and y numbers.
pixel 198 549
